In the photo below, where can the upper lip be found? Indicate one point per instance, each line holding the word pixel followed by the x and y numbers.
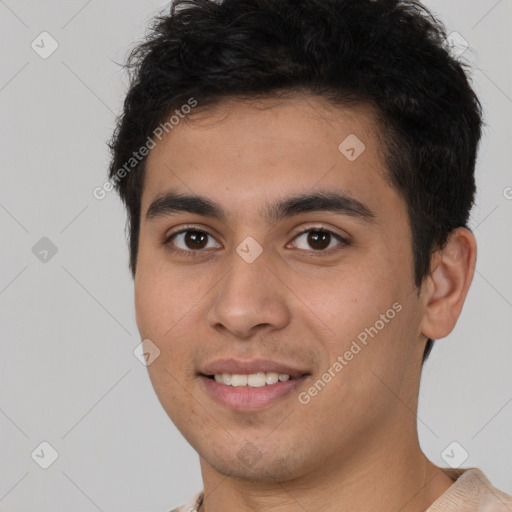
pixel 234 366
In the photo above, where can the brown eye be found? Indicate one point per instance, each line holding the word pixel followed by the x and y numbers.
pixel 318 240
pixel 195 239
pixel 190 240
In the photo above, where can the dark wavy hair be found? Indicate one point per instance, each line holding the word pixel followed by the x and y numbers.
pixel 389 54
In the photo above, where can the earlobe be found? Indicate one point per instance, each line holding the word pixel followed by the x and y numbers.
pixel 446 288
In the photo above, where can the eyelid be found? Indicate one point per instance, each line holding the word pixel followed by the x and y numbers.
pixel 183 229
pixel 343 240
pixel 322 227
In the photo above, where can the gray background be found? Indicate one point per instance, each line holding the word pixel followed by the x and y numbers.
pixel 68 373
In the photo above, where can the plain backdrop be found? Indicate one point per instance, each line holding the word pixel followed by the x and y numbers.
pixel 68 375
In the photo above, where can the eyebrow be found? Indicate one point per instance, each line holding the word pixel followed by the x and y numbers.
pixel 328 201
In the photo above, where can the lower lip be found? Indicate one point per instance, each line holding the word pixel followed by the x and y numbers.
pixel 248 398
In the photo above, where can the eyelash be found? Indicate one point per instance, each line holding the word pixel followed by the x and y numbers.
pixel 195 253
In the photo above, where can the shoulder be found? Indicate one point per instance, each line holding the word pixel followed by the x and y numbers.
pixel 471 491
pixel 191 505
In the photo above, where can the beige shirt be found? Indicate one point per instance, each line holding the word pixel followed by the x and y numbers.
pixel 471 492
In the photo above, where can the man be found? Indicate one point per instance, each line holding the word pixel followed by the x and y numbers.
pixel 298 177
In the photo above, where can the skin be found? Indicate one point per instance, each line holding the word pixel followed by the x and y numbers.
pixel 354 446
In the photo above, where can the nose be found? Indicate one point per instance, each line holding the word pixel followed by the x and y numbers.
pixel 249 299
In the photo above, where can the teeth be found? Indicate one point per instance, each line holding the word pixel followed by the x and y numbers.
pixel 238 380
pixel 254 380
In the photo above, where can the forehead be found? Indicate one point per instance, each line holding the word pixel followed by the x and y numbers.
pixel 243 154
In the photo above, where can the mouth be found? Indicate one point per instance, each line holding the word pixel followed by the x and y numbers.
pixel 251 384
pixel 251 392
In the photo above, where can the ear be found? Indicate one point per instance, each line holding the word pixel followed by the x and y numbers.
pixel 444 290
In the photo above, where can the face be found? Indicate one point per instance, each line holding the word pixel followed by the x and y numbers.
pixel 292 256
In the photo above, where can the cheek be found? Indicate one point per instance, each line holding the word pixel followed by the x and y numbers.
pixel 161 316
pixel 363 315
pixel 149 303
pixel 344 301
pixel 163 297
pixel 168 314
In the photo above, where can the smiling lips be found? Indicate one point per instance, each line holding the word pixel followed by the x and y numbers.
pixel 250 385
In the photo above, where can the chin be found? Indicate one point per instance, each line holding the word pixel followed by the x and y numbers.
pixel 247 464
